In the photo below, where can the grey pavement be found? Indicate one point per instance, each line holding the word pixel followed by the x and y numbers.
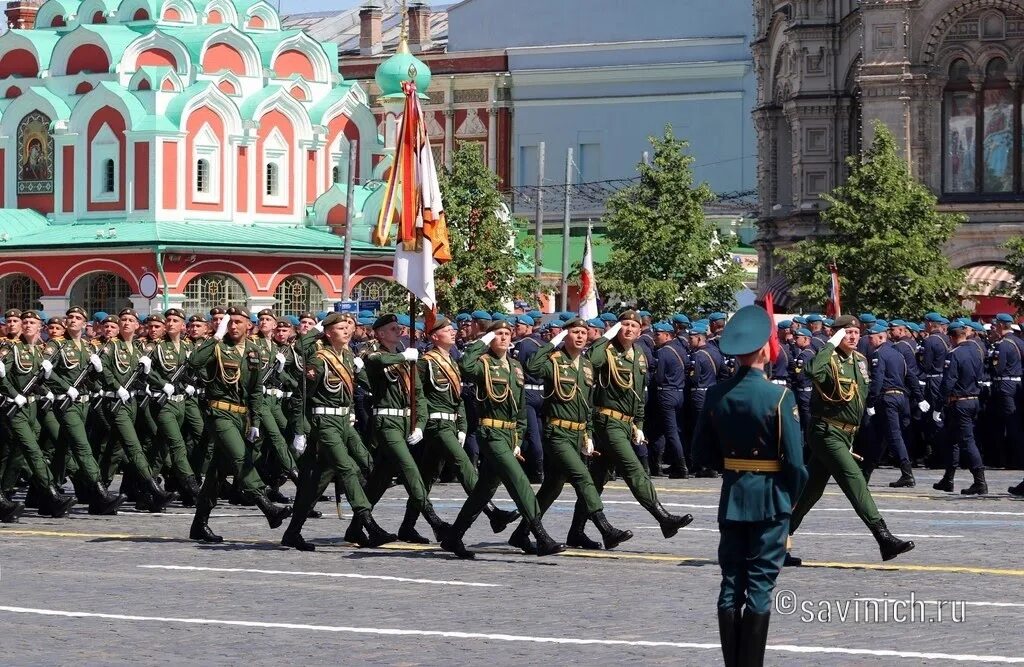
pixel 133 589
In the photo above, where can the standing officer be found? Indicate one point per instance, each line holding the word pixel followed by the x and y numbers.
pixel 1007 354
pixel 932 359
pixel 751 428
pixel 801 380
pixel 840 376
pixel 958 406
pixel 672 365
pixel 706 364
pixel 523 351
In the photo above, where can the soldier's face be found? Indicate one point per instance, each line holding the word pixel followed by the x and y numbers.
pixel 14 327
pixel 443 337
pixel 629 332
pixel 239 327
pixel 196 330
pixel 129 325
pixel 110 330
pixel 696 341
pixel 75 324
pixel 502 341
pixel 55 331
pixel 215 320
pixel 876 339
pixel 522 330
pixel 390 334
pixel 593 334
pixel 282 335
pixel 576 339
pixel 662 337
pixel 338 334
pixel 156 330
pixel 850 340
pixel 305 324
pixel 175 325
pixel 267 324
pixel 802 342
pixel 30 328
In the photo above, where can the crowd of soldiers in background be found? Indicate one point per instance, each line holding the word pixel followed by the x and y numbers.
pixel 919 373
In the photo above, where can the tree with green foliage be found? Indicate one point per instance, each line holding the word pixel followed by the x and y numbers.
pixel 1015 264
pixel 665 255
pixel 885 237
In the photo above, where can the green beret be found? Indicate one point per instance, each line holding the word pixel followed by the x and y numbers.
pixel 237 310
pixel 156 317
pixel 335 318
pixel 217 310
pixel 498 325
pixel 574 323
pixel 440 323
pixel 197 318
pixel 384 320
pixel 31 315
pixel 125 312
pixel 59 321
pixel 845 321
pixel 630 315
pixel 77 309
pixel 13 312
pixel 268 312
pixel 283 323
pixel 174 312
pixel 747 331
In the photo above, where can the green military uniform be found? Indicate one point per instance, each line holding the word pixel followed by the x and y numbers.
pixel 750 427
pixel 619 396
pixel 272 422
pixel 170 359
pixel 837 407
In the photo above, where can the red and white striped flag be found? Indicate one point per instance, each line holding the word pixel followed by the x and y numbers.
pixel 832 307
pixel 588 285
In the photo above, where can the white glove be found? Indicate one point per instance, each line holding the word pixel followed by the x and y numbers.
pixel 3 371
pixel 47 368
pixel 299 443
pixel 557 340
pixel 123 394
pixel 72 393
pixel 358 363
pixel 937 416
pixel 415 436
pixel 146 364
pixel 487 338
pixel 588 447
pixel 639 437
pixel 319 326
pixel 871 412
pixel 924 406
pixel 20 401
pixel 280 361
pixel 168 389
pixel 613 332
pixel 222 328
pixel 410 354
pixel 518 453
pixel 50 397
pixel 461 437
pixel 190 390
pixel 254 434
pixel 837 337
pixel 352 418
pixel 97 365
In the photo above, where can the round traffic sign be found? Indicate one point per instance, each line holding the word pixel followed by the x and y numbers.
pixel 148 285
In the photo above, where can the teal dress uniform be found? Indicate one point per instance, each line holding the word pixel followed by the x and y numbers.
pixel 750 427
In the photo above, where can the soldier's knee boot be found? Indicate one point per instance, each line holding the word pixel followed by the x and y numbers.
pixel 10 510
pixel 610 535
pixel 377 535
pixel 407 531
pixel 577 535
pixel 275 514
pixel 55 504
pixel 500 518
pixel 729 621
pixel 102 501
pixel 979 487
pixel 546 546
pixel 520 538
pixel 889 545
pixel 753 638
pixel 670 523
pixel 906 477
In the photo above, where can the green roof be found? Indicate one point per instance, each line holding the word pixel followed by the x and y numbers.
pixel 59 102
pixel 339 92
pixel 193 36
pixel 117 37
pixel 551 248
pixel 267 43
pixel 249 104
pixel 177 104
pixel 43 41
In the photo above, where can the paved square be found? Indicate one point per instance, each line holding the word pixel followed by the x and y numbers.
pixel 133 589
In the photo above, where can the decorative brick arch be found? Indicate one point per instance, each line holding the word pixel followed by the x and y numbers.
pixel 18 62
pixel 88 58
pixel 306 269
pixel 292 62
pixel 222 56
pixel 942 26
pixel 157 58
pixel 237 270
pixel 86 267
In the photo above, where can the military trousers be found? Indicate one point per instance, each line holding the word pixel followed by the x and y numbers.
pixel 201 452
pixel 272 437
pixel 392 457
pixel 1008 435
pixel 613 439
pixel 671 417
pixel 170 419
pixel 24 430
pixel 441 445
pixel 501 467
pixel 328 456
pixel 831 458
pixel 563 462
pixel 73 438
pixel 122 418
pixel 960 417
pixel 891 424
pixel 532 446
pixel 750 554
pixel 232 455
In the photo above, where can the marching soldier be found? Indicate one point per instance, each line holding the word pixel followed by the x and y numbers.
pixel 957 407
pixel 751 428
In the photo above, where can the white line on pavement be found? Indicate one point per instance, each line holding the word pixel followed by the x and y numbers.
pixel 342 575
pixel 934 603
pixel 691 529
pixel 787 648
pixel 825 509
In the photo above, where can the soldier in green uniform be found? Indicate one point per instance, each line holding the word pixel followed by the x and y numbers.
pixel 620 369
pixel 750 428
pixel 445 433
pixel 21 364
pixel 276 457
pixel 393 380
pixel 568 378
pixel 234 393
pixel 201 452
pixel 124 368
pixel 67 376
pixel 840 376
pixel 326 434
pixel 501 401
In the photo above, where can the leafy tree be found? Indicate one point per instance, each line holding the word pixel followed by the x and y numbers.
pixel 886 238
pixel 1015 264
pixel 665 256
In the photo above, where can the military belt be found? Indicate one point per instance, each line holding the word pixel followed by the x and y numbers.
pixel 276 393
pixel 846 428
pixel 1007 379
pixel 82 398
pixel 497 423
pixel 176 398
pixel 568 425
pixel 337 412
pixel 445 416
pixel 780 382
pixel 228 407
pixel 955 399
pixel 699 389
pixel 806 389
pixel 614 414
pixel 289 394
pixel 392 412
pixel 933 375
pixel 895 391
pixel 533 387
pixel 752 465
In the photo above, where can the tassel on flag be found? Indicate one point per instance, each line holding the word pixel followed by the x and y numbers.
pixel 832 307
pixel 588 286
pixel 773 337
pixel 413 200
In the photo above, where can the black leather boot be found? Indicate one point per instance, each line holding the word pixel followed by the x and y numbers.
pixel 729 621
pixel 500 518
pixel 376 535
pixel 201 532
pixel 102 501
pixel 520 539
pixel 274 495
pixel 407 531
pixel 670 523
pixel 979 487
pixel 577 535
pixel 54 503
pixel 946 483
pixel 295 540
pixel 906 479
pixel 452 541
pixel 276 514
pixel 610 535
pixel 158 498
pixel 1016 490
pixel 439 527
pixel 34 497
pixel 189 490
pixel 888 544
pixel 753 638
pixel 10 510
pixel 545 545
pixel 355 535
pixel 678 471
pixel 654 461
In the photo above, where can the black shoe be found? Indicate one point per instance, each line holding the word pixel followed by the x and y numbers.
pixel 355 534
pixel 577 539
pixel 452 543
pixel 275 496
pixel 376 535
pixel 10 510
pixel 670 523
pixel 189 490
pixel 545 545
pixel 1016 490
pixel 520 539
pixel 201 532
pixel 979 487
pixel 103 502
pixel 276 514
pixel 753 638
pixel 792 561
pixel 296 541
pixel 158 499
pixel 946 483
pixel 888 544
pixel 707 473
pixel 315 514
pixel 610 535
pixel 500 519
pixel 54 503
pixel 409 534
pixel 906 479
pixel 439 527
pixel 678 472
pixel 729 621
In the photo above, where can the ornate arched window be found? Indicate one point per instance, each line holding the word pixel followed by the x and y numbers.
pixel 21 292
pixel 211 290
pixel 370 289
pixel 298 294
pixel 960 120
pixel 107 292
pixel 998 101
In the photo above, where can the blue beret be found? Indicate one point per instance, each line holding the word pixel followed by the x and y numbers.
pixel 877 329
pixel 643 313
pixel 608 317
pixel 364 321
pixel 99 316
pixel 802 332
pixel 321 316
pixel 915 327
pixel 935 317
pixel 815 318
pixel 536 315
pixel 897 323
pixel 680 318
pixel 699 329
pixel 556 323
pixel 829 321
pixel 42 315
pixel 977 326
pixel 1004 318
pixel 566 315
pixel 662 327
pixel 867 318
pixel 525 319
pixel 747 331
pixel 481 315
pixel 293 320
pixel 463 317
pixel 883 323
pixel 956 326
pixel 718 316
pixel 419 325
pixel 404 320
pixel 799 319
pixel 365 313
pixel 596 323
pixel 254 319
pixel 785 324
